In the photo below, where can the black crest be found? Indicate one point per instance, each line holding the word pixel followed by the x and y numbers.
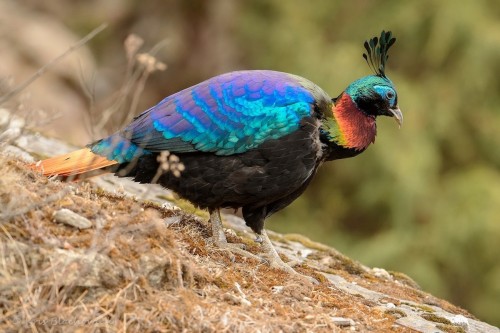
pixel 377 52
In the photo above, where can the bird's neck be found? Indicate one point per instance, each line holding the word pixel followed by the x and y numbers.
pixel 349 127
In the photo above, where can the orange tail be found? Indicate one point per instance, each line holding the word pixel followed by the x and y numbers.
pixel 79 162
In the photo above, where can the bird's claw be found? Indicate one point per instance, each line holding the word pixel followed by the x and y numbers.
pixel 236 248
pixel 219 239
pixel 275 260
pixel 258 239
pixel 270 256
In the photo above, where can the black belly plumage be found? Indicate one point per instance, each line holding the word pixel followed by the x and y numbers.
pixel 261 181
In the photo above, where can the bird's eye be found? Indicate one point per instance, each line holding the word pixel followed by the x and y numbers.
pixel 390 95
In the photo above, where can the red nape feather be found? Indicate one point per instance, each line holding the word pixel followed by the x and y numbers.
pixel 81 162
pixel 358 130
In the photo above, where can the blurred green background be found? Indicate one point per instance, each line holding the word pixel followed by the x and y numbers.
pixel 424 200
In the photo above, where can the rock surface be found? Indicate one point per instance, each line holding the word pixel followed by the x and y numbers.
pixel 71 218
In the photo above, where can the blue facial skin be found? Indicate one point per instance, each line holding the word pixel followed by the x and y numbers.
pixel 386 93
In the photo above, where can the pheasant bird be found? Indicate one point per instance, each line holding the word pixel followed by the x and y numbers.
pixel 247 139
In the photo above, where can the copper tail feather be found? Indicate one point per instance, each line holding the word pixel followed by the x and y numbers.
pixel 79 164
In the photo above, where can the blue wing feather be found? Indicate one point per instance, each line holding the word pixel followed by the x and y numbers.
pixel 228 114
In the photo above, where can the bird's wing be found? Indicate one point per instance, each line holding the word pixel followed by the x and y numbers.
pixel 228 114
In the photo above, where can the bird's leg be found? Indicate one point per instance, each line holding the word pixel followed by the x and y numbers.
pixel 219 238
pixel 274 259
pixel 272 255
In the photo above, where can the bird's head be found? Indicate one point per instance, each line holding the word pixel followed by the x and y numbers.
pixel 375 95
pixel 354 111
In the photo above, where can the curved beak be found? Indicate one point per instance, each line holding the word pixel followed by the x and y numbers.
pixel 398 116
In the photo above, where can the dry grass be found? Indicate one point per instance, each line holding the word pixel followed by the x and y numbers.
pixel 133 272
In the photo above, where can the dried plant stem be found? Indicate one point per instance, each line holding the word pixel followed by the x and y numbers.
pixel 54 197
pixel 51 63
pixel 141 83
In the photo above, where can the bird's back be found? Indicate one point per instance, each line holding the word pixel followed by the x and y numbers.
pixel 228 114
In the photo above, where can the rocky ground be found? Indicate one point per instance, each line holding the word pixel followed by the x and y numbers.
pixel 110 255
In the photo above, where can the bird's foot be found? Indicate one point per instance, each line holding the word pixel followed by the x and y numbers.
pixel 220 241
pixel 269 252
pixel 275 261
pixel 236 248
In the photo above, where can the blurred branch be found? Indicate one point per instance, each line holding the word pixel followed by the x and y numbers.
pixel 6 216
pixel 46 67
pixel 149 65
pixel 139 68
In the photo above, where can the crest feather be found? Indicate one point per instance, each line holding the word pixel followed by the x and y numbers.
pixel 376 48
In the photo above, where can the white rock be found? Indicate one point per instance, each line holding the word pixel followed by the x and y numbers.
pixel 460 321
pixel 17 152
pixel 277 289
pixel 173 220
pixel 343 322
pixel 305 252
pixel 381 273
pixel 71 218
pixel 390 306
